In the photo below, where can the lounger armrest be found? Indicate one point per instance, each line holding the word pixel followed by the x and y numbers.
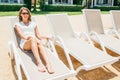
pixel 59 40
pixel 113 32
pixel 52 48
pixel 77 34
pixel 109 31
pixel 98 38
pixel 85 36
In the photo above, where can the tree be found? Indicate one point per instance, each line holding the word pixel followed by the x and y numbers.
pixel 28 4
pixel 115 2
pixel 77 2
pixel 87 3
pixel 118 3
pixel 34 7
pixel 42 5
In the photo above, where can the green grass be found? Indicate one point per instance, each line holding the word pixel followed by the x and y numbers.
pixel 55 12
pixel 11 13
pixel 15 13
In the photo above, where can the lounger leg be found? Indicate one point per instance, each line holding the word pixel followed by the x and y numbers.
pixel 106 69
pixel 11 54
pixel 17 61
pixel 18 70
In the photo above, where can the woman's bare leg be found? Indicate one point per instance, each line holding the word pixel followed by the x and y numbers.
pixel 31 44
pixel 45 57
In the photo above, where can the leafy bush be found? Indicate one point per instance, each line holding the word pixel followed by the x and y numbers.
pixel 62 8
pixel 11 7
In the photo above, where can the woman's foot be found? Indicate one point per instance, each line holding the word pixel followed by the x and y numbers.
pixel 41 68
pixel 49 69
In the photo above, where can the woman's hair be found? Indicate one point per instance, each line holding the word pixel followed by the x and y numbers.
pixel 20 11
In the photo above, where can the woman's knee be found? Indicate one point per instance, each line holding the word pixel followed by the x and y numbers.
pixel 40 46
pixel 39 43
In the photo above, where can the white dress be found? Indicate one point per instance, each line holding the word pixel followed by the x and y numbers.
pixel 26 31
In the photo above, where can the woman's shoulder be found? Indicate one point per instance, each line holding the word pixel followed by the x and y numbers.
pixel 18 24
pixel 33 23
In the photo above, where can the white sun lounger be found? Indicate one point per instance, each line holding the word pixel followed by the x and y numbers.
pixel 87 54
pixel 26 61
pixel 115 15
pixel 95 29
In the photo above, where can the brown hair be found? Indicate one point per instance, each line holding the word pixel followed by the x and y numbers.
pixel 20 11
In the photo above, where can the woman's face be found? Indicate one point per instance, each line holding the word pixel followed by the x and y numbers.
pixel 25 15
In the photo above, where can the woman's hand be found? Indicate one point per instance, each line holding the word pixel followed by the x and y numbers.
pixel 48 38
pixel 29 37
pixel 44 37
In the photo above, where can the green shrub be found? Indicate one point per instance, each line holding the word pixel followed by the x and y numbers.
pixel 62 7
pixel 11 7
pixel 107 8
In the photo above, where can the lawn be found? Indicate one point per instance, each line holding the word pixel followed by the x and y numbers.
pixel 15 13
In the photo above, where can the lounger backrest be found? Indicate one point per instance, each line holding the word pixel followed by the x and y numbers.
pixel 60 25
pixel 93 20
pixel 116 19
pixel 15 36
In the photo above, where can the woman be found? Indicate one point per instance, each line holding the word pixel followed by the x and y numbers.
pixel 31 39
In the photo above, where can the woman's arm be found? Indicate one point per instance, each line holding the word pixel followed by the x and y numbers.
pixel 38 34
pixel 17 28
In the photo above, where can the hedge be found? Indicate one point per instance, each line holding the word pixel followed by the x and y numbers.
pixel 11 7
pixel 108 8
pixel 62 8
